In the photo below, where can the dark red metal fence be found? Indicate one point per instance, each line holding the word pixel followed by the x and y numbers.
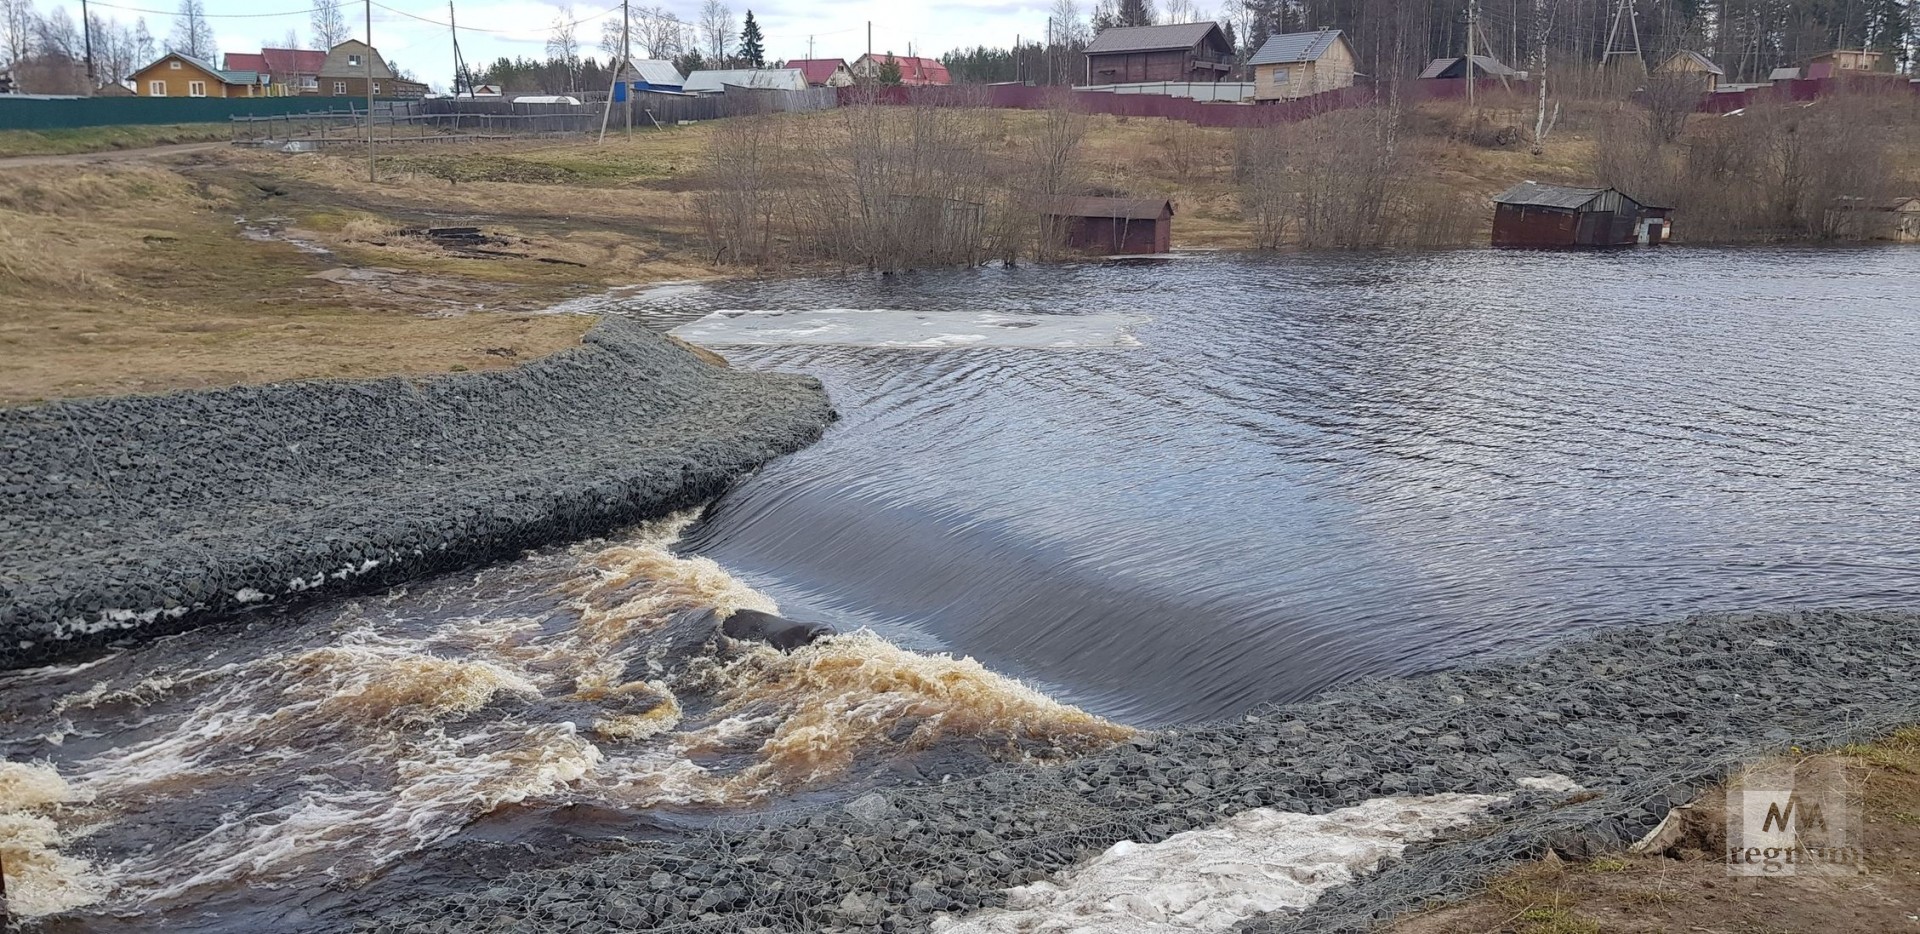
pixel 1801 90
pixel 1198 113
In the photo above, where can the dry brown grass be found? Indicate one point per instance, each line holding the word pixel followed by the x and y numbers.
pixel 134 277
pixel 1689 889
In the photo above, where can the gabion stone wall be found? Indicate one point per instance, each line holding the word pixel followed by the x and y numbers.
pixel 130 514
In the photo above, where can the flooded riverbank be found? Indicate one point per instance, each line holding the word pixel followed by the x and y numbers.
pixel 1202 487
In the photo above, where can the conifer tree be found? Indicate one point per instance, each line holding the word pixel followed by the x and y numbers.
pixel 753 48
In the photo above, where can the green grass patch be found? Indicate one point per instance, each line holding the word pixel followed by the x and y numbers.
pixel 106 138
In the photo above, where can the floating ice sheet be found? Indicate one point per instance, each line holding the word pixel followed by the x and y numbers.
pixel 929 330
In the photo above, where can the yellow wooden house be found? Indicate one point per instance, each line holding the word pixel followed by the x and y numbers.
pixel 179 75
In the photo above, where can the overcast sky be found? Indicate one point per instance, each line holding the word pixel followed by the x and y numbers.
pixel 492 28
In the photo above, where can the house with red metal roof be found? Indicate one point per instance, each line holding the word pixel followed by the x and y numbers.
pixel 915 71
pixel 289 72
pixel 824 72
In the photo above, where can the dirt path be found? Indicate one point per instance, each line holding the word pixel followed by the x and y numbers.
pixel 113 155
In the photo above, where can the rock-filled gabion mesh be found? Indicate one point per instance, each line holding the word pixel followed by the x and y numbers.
pixel 1639 716
pixel 138 513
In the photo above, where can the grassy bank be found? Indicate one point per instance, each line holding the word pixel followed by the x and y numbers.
pixel 237 265
pixel 1687 888
pixel 105 138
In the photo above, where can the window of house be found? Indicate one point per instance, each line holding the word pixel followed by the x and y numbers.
pixel 339 88
pixel 376 87
pixel 353 59
pixel 196 89
pixel 156 89
pixel 175 65
pixel 1280 76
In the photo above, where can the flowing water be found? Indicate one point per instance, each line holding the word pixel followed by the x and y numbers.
pixel 1061 502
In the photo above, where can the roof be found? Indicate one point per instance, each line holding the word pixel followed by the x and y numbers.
pixel 1690 57
pixel 337 64
pixel 717 81
pixel 1784 74
pixel 1487 64
pixel 914 69
pixel 817 70
pixel 1534 194
pixel 656 72
pixel 244 61
pixel 1125 208
pixel 1295 48
pixel 228 77
pixel 1151 38
pixel 242 77
pixel 293 61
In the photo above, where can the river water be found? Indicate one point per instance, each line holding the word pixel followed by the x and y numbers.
pixel 1132 494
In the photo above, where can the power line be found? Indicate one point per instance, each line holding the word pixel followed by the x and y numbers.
pixel 130 9
pixel 498 32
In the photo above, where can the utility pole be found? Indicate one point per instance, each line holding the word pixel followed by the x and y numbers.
pixel 870 62
pixel 369 63
pixel 86 29
pixel 460 75
pixel 1049 51
pixel 1473 16
pixel 607 111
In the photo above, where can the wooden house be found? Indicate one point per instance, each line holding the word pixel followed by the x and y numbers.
pixel 346 74
pixel 1112 226
pixel 1841 61
pixel 289 72
pixel 1302 64
pixel 1897 219
pixel 1180 52
pixel 1693 65
pixel 1544 216
pixel 915 71
pixel 178 75
pixel 827 72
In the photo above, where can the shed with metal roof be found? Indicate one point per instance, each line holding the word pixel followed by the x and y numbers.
pixel 1179 52
pixel 767 79
pixel 1111 226
pixel 1531 214
pixel 1302 64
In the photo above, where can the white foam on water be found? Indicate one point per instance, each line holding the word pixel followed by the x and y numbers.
pixel 443 726
pixel 912 330
pixel 1257 861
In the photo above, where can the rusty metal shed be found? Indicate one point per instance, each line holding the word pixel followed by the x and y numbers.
pixel 1534 215
pixel 1114 226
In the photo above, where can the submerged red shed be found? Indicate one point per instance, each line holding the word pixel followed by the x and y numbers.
pixel 1534 215
pixel 1114 226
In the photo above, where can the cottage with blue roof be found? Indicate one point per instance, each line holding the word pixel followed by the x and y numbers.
pixel 1302 64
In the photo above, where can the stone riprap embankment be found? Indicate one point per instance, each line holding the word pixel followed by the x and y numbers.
pixel 133 513
pixel 1639 716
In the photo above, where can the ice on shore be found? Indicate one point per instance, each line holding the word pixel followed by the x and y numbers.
pixel 1258 861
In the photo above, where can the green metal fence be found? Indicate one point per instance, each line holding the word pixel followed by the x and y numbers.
pixel 29 113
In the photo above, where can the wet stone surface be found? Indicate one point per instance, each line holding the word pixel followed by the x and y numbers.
pixel 1639 717
pixel 130 515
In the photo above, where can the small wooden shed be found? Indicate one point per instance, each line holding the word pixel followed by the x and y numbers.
pixel 1113 226
pixel 1695 66
pixel 1302 64
pixel 1896 219
pixel 1534 215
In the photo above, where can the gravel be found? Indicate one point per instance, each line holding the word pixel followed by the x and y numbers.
pixel 1638 716
pixel 131 515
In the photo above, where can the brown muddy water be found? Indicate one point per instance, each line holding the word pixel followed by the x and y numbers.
pixel 1061 502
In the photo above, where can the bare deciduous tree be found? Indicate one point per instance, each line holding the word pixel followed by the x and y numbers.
pixel 328 24
pixel 192 34
pixel 717 28
pixel 563 45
